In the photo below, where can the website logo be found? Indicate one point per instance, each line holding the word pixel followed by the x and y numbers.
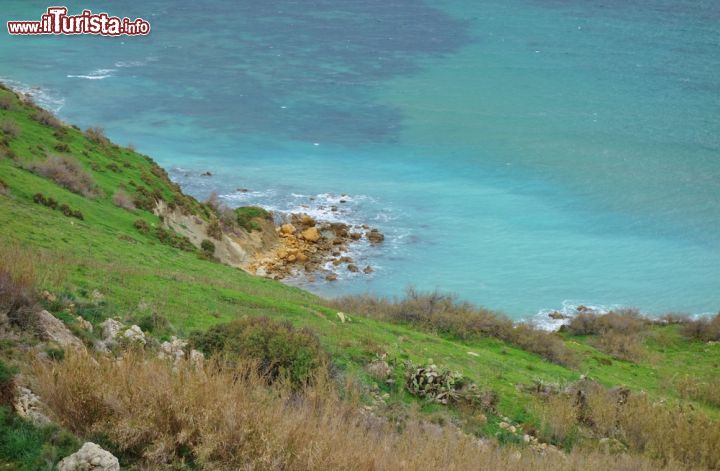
pixel 57 21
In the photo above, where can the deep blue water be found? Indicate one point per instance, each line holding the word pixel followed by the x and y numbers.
pixel 524 154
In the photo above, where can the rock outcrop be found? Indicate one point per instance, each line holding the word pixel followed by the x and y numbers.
pixel 90 457
pixel 51 329
pixel 28 406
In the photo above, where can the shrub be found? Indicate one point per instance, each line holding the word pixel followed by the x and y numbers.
pixel 68 173
pixel 47 118
pixel 172 239
pixel 97 135
pixel 213 202
pixel 626 321
pixel 141 226
pixel 154 323
pixel 62 147
pixel 113 167
pixel 122 200
pixel 6 102
pixel 208 247
pixel 214 230
pixel 281 350
pixel 244 216
pixel 620 345
pixel 4 188
pixel 705 329
pixel 442 314
pixel 10 128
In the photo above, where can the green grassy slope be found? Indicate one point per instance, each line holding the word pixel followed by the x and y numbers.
pixel 137 274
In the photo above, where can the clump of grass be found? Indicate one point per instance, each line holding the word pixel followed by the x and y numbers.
pixel 123 200
pixel 17 293
pixel 245 217
pixel 280 350
pixel 7 384
pixel 442 314
pixel 68 173
pixel 4 187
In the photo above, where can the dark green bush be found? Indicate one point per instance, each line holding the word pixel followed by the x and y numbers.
pixel 245 217
pixel 174 240
pixel 141 226
pixel 208 247
pixel 281 350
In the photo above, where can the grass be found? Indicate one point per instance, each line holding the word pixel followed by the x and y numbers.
pixel 138 277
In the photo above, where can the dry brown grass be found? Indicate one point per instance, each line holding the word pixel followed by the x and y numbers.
pixel 233 420
pixel 444 315
pixel 666 433
pixel 705 391
pixel 123 200
pixel 68 173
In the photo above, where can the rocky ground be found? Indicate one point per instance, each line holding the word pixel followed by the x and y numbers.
pixel 310 247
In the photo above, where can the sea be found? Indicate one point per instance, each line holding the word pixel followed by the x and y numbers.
pixel 525 155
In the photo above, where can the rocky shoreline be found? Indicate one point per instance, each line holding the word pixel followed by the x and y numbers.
pixel 310 248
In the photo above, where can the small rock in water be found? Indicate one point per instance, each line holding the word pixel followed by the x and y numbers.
pixel 368 269
pixel 331 277
pixel 352 268
pixel 206 174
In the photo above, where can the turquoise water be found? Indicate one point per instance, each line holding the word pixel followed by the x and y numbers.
pixel 524 154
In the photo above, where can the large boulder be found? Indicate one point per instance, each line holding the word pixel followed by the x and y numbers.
pixel 311 234
pixel 111 328
pixel 90 457
pixel 135 334
pixel 52 329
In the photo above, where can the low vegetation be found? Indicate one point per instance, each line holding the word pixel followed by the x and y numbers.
pixel 245 217
pixel 288 383
pixel 68 173
pixel 280 350
pixel 442 314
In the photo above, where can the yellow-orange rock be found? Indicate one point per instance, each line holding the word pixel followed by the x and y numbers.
pixel 287 229
pixel 311 234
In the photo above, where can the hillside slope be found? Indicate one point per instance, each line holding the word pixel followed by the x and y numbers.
pixel 106 258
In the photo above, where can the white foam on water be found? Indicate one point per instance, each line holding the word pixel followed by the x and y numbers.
pixel 98 74
pixel 44 97
pixel 568 310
